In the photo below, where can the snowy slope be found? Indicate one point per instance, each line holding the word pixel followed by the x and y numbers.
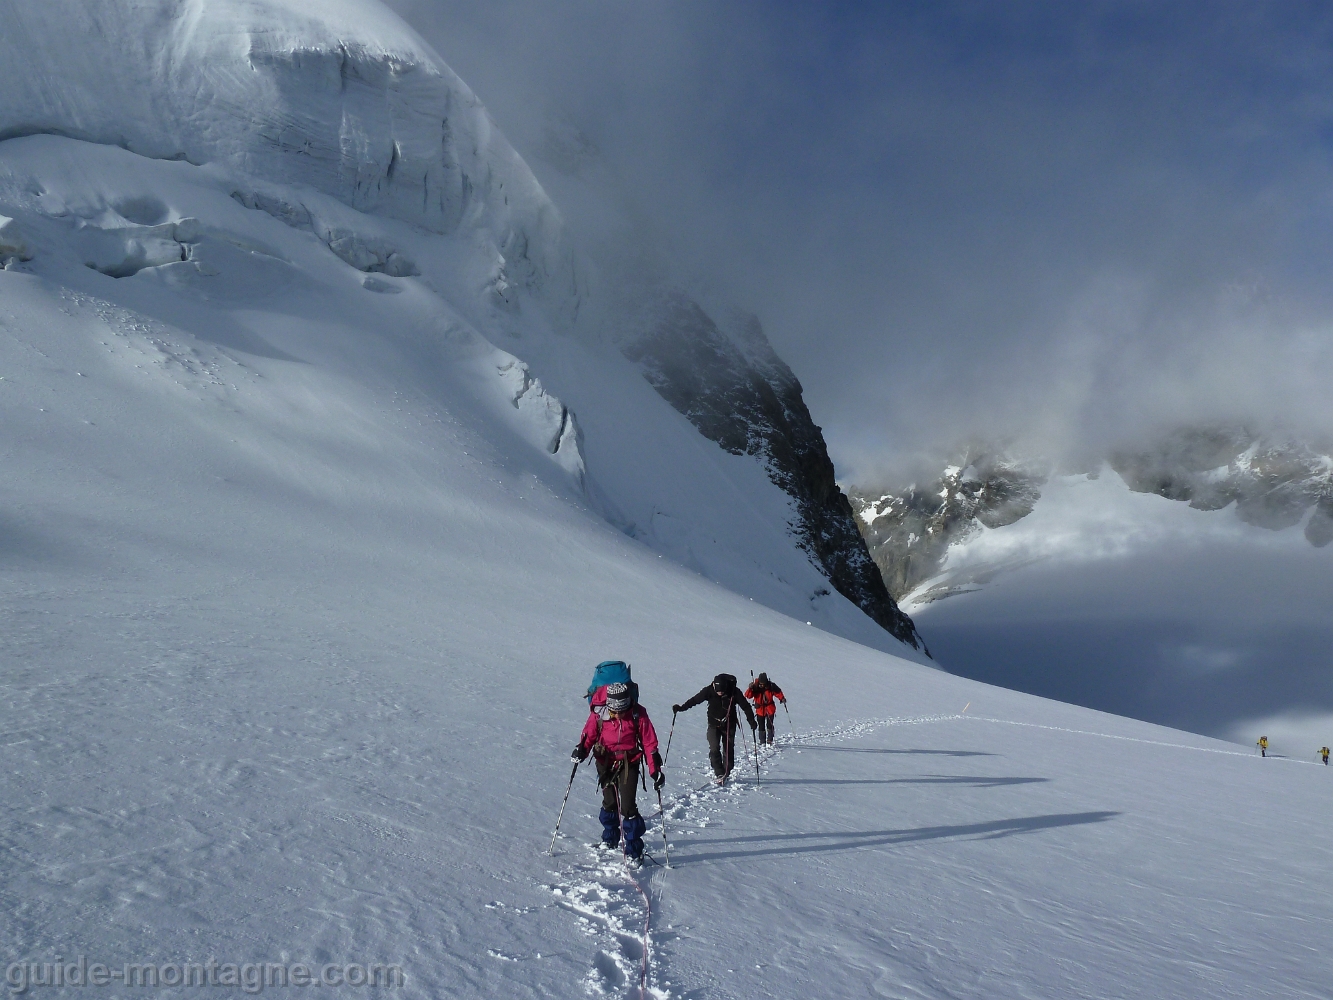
pixel 351 142
pixel 305 559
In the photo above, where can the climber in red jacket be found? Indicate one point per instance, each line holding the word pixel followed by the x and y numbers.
pixel 762 691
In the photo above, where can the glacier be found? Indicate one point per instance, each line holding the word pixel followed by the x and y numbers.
pixel 320 503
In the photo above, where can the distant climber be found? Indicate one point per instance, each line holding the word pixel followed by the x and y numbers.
pixel 619 742
pixel 1323 752
pixel 723 697
pixel 762 691
pixel 1263 746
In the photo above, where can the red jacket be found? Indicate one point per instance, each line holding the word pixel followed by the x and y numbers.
pixel 763 698
pixel 628 739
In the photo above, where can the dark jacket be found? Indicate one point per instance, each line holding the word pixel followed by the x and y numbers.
pixel 721 707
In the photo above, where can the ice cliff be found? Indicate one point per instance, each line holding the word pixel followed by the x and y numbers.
pixel 159 143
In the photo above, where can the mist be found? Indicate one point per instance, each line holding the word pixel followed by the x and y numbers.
pixel 1073 225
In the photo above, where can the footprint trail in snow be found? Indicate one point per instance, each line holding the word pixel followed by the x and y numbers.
pixel 608 899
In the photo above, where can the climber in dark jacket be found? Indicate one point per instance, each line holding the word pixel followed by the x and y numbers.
pixel 723 697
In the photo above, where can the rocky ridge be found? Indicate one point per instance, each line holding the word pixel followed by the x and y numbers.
pixel 1274 483
pixel 731 384
pixel 909 531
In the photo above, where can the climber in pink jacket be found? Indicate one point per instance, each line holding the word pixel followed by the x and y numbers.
pixel 619 743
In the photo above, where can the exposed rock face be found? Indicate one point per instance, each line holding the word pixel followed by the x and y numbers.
pixel 909 531
pixel 1273 483
pixel 736 390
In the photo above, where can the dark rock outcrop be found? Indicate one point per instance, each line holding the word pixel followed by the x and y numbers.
pixel 909 531
pixel 735 389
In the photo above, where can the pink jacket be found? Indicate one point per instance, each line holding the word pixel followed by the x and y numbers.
pixel 627 739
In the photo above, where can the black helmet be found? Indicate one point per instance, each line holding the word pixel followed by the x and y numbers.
pixel 763 680
pixel 723 682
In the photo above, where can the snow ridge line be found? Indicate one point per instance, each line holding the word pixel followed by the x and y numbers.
pixel 856 729
pixel 1129 739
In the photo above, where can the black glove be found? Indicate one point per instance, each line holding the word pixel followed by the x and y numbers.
pixel 753 725
pixel 580 753
pixel 659 779
pixel 676 709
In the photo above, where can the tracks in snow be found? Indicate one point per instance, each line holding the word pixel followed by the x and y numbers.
pixel 608 900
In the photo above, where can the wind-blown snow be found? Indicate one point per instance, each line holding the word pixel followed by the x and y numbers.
pixel 305 563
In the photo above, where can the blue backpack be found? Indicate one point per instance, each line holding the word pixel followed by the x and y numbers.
pixel 610 672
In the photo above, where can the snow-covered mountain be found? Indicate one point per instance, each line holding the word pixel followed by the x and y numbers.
pixel 363 143
pixel 919 534
pixel 1275 483
pixel 712 362
pixel 319 504
pixel 911 531
pixel 1182 582
pixel 738 392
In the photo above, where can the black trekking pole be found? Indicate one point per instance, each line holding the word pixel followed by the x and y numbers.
pixel 551 852
pixel 754 746
pixel 669 735
pixel 756 704
pixel 752 687
pixel 789 722
pixel 728 740
pixel 661 819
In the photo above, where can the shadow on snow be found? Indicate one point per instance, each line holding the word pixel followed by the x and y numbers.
pixel 882 838
pixel 979 781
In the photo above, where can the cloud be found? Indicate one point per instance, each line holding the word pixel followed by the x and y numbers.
pixel 1074 223
pixel 1205 627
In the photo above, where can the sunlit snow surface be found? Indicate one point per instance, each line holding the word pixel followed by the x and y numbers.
pixel 301 587
pixel 292 658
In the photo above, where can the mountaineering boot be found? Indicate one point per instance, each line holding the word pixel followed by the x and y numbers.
pixel 611 828
pixel 634 827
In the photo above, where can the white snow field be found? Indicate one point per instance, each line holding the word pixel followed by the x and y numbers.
pixel 319 506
